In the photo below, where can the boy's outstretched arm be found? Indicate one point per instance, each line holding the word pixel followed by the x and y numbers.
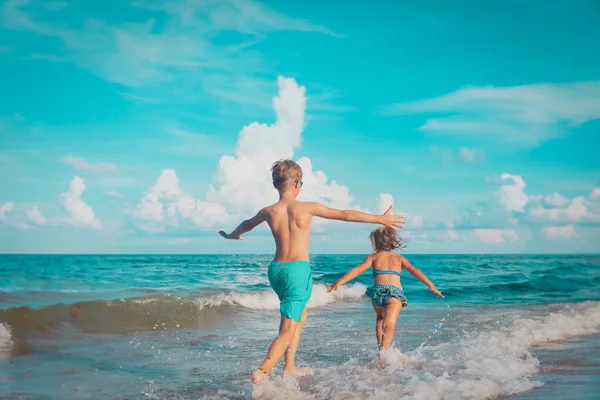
pixel 353 273
pixel 416 272
pixel 246 226
pixel 387 219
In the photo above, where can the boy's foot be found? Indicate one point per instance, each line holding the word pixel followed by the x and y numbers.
pixel 258 375
pixel 298 372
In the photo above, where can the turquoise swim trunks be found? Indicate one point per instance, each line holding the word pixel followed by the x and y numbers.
pixel 292 281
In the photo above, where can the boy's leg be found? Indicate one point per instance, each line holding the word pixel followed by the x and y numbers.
pixel 380 312
pixel 392 310
pixel 287 328
pixel 290 355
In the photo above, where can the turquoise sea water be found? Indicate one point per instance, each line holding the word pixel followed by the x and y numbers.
pixel 193 327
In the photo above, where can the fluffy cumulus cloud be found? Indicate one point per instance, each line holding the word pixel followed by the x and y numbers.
pixel 384 200
pixel 495 236
pixel 15 221
pixel 550 208
pixel 79 213
pixel 554 215
pixel 35 215
pixel 511 195
pixel 166 202
pixel 559 232
pixel 241 184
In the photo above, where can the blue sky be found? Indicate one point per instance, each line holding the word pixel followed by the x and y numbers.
pixel 146 126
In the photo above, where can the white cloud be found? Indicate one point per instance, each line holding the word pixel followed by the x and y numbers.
pixel 80 214
pixel 463 154
pixel 15 221
pixel 141 54
pixel 512 196
pixel 242 183
pixel 5 208
pixel 555 200
pixel 114 194
pixel 470 155
pixel 165 200
pixel 494 236
pixel 82 165
pixel 528 114
pixel 557 208
pixel 36 216
pixel 545 209
pixel 559 232
pixel 384 200
pixel 577 209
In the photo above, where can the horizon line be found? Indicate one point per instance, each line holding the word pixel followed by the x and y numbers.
pixel 310 254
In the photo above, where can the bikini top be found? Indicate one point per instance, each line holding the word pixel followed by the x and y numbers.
pixel 385 272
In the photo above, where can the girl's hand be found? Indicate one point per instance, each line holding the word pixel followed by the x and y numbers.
pixel 227 236
pixel 436 292
pixel 333 288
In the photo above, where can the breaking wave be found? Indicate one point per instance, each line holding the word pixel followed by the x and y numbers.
pixel 481 365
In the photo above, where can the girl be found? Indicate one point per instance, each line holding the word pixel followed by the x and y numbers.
pixel 387 296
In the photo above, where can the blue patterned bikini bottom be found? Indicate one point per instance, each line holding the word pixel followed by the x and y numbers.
pixel 382 294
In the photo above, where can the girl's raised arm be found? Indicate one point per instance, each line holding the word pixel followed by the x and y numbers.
pixel 353 273
pixel 416 272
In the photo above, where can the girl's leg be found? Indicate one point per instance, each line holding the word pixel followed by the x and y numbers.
pixel 380 312
pixel 290 355
pixel 287 328
pixel 392 310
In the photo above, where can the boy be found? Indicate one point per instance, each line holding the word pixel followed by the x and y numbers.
pixel 289 273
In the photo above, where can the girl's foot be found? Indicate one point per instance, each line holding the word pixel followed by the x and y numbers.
pixel 258 375
pixel 298 372
pixel 381 359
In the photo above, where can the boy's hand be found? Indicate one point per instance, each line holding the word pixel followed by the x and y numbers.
pixel 227 236
pixel 392 221
pixel 333 288
pixel 436 292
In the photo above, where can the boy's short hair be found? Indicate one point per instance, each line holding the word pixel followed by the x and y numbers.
pixel 285 172
pixel 386 239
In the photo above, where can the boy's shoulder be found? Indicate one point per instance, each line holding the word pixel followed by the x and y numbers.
pixel 308 205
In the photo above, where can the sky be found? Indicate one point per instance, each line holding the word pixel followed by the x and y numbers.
pixel 145 126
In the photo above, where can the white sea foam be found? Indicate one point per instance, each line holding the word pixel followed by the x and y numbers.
pixel 6 342
pixel 485 364
pixel 267 300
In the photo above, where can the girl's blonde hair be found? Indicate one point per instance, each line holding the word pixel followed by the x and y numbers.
pixel 386 239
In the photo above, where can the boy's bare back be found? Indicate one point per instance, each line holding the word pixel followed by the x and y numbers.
pixel 290 224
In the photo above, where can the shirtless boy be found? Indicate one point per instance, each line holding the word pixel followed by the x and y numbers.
pixel 289 273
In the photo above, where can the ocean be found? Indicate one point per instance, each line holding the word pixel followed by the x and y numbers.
pixel 195 326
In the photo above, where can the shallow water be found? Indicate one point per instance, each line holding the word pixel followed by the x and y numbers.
pixel 190 327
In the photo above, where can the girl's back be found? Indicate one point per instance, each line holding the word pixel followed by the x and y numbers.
pixel 387 267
